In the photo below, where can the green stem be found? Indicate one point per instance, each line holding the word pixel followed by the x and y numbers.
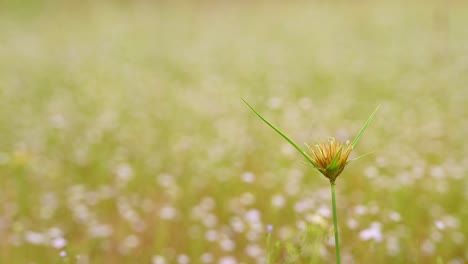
pixel 335 222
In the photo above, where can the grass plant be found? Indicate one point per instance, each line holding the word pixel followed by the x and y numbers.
pixel 329 159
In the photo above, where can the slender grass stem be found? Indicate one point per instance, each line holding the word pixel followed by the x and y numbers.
pixel 335 222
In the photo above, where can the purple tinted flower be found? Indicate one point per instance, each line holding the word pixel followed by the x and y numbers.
pixel 59 242
pixel 270 228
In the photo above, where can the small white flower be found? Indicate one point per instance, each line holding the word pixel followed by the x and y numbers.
pixel 253 216
pixel 167 212
pixel 206 258
pixel 440 225
pixel 373 232
pixel 59 242
pixel 428 247
pixel 227 260
pixel 227 245
pixel 158 260
pixel 124 172
pixel 395 216
pixel 352 223
pixel 278 201
pixel 183 259
pixel 35 238
pixel 248 177
pixel 100 231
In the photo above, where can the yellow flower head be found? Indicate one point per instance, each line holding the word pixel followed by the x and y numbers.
pixel 330 158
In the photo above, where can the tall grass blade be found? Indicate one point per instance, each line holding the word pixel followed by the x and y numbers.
pixel 279 132
pixel 358 137
pixel 310 165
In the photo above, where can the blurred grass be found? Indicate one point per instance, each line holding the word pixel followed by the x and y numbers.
pixel 90 89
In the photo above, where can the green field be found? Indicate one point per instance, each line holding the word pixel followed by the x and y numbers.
pixel 123 138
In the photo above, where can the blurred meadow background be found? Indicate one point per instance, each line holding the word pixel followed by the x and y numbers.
pixel 123 138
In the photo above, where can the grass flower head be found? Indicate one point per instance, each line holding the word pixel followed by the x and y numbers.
pixel 330 158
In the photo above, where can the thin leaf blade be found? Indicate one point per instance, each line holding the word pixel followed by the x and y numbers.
pixel 359 157
pixel 358 137
pixel 308 164
pixel 280 132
